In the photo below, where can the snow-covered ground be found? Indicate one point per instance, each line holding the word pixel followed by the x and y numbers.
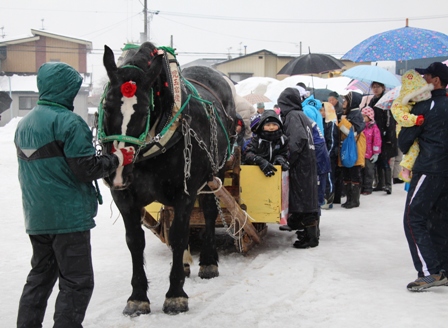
pixel 357 276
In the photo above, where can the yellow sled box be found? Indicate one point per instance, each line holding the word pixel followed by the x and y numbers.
pixel 260 196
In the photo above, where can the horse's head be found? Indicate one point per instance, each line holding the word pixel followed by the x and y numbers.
pixel 127 104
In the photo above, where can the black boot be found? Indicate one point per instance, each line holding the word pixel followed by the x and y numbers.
pixel 380 179
pixel 311 239
pixel 348 192
pixel 293 223
pixel 356 190
pixel 301 234
pixel 388 180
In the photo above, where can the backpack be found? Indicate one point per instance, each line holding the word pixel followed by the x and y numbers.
pixel 349 151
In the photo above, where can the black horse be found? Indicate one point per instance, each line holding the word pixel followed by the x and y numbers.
pixel 179 123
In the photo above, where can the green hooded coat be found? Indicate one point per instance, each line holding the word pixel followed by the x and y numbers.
pixel 57 161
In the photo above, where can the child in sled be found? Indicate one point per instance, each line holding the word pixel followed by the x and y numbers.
pixel 269 145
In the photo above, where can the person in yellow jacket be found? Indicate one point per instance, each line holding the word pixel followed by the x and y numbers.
pixel 414 88
pixel 351 176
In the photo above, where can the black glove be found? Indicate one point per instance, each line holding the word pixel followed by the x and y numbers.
pixel 283 162
pixel 267 168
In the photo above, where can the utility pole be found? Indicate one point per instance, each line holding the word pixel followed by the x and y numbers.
pixel 151 15
pixel 145 36
pixel 145 13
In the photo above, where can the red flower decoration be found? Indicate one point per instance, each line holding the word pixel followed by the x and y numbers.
pixel 128 89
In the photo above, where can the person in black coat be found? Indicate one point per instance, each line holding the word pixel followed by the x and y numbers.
pixel 425 221
pixel 303 197
pixel 387 125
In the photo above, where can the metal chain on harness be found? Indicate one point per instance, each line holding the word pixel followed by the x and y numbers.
pixel 213 155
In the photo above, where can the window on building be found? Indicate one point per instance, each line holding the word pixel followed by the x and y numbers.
pixel 27 102
pixel 237 77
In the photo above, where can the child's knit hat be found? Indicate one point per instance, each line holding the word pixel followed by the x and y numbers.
pixel 368 111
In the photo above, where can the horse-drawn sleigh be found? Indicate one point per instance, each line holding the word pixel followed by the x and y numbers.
pixel 182 127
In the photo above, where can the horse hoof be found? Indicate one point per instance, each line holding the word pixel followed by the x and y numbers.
pixel 187 270
pixel 175 305
pixel 135 308
pixel 208 271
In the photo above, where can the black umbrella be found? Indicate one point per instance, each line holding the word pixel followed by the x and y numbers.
pixel 311 64
pixel 322 94
pixel 5 101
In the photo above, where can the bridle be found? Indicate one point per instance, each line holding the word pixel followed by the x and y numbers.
pixel 141 140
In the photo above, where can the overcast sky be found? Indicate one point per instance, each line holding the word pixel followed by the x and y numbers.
pixel 217 28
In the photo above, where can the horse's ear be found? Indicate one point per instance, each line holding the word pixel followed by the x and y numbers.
pixel 109 61
pixel 155 68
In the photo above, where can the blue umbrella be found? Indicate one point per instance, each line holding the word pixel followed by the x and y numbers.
pixel 401 44
pixel 370 73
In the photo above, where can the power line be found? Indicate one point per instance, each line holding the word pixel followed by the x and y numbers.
pixel 301 20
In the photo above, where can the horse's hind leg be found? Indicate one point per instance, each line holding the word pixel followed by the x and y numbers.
pixel 208 260
pixel 187 260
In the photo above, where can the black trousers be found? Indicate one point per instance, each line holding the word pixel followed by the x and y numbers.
pixel 368 174
pixel 426 223
pixel 384 172
pixel 64 256
pixel 352 174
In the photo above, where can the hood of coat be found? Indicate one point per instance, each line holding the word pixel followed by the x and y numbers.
pixel 368 111
pixel 268 116
pixel 414 87
pixel 289 100
pixel 59 83
pixel 353 100
pixel 311 101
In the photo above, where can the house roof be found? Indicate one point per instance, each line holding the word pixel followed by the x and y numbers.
pixel 36 34
pixel 204 62
pixel 28 83
pixel 263 51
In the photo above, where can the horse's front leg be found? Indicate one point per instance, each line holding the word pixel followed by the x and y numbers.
pixel 208 260
pixel 138 302
pixel 176 300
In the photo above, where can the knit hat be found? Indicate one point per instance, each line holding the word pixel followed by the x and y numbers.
pixel 368 111
pixel 254 121
pixel 260 105
pixel 303 92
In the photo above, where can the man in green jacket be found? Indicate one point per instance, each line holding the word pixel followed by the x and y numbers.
pixel 57 164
